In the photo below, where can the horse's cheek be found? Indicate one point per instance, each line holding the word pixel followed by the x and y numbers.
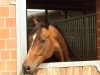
pixel 49 51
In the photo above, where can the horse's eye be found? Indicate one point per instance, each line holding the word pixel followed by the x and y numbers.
pixel 43 40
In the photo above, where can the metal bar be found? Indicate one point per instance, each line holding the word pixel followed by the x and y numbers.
pixel 80 35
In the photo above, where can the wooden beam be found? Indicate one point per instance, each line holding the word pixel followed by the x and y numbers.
pixel 68 5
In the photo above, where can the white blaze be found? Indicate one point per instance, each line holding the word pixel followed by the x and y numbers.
pixel 34 36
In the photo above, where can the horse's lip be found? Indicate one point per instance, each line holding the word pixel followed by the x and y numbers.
pixel 29 72
pixel 26 71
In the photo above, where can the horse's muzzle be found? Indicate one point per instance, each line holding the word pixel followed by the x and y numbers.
pixel 26 69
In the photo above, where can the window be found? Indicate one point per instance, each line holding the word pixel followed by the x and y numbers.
pixel 22 32
pixel 78 29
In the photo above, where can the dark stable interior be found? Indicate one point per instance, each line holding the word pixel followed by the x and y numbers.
pixel 72 5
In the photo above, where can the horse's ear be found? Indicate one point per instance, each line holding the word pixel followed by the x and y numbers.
pixel 35 21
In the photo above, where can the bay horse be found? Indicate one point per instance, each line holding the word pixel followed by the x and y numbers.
pixel 45 44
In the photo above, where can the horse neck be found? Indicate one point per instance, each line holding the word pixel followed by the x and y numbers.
pixel 58 38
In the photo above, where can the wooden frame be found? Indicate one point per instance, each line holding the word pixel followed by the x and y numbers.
pixel 21 33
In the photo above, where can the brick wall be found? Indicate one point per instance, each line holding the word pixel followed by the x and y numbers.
pixel 98 26
pixel 7 38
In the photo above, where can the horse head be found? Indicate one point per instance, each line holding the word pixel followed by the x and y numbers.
pixel 44 42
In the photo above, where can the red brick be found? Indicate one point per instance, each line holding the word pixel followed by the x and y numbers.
pixel 12 33
pixel 5 55
pixel 10 22
pixel 2 66
pixel 1 22
pixel 97 2
pixel 11 44
pixel 98 25
pixel 12 11
pixel 97 8
pixel 5 73
pixel 13 55
pixel 98 52
pixel 4 11
pixel 4 33
pixel 11 65
pixel 98 42
pixel 97 5
pixel 98 33
pixel 98 16
pixel 14 73
pixel 4 2
pixel 98 20
pixel 98 58
pixel 2 44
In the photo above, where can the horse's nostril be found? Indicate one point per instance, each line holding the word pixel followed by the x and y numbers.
pixel 27 68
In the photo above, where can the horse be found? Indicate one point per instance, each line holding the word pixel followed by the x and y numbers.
pixel 46 44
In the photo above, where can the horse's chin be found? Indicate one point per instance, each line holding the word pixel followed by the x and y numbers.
pixel 33 70
pixel 31 67
pixel 30 72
